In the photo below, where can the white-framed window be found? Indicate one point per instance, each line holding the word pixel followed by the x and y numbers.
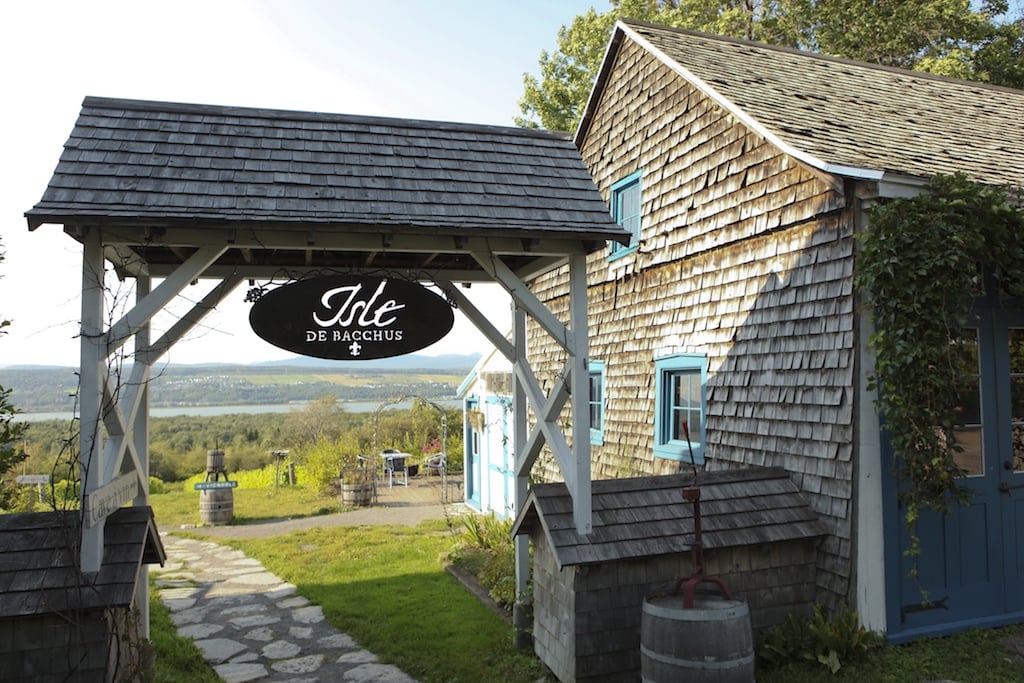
pixel 597 402
pixel 625 208
pixel 680 407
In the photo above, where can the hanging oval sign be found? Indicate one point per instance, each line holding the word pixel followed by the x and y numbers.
pixel 350 317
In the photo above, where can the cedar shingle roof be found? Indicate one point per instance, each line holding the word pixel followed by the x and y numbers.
pixel 287 191
pixel 850 115
pixel 39 559
pixel 647 516
pixel 155 161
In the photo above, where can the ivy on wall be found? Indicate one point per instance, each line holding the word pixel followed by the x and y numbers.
pixel 922 262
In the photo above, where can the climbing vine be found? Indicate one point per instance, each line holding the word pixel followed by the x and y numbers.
pixel 922 263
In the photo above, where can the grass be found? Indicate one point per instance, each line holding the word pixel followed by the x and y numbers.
pixel 180 508
pixel 975 656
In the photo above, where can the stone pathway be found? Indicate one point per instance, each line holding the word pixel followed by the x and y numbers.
pixel 252 626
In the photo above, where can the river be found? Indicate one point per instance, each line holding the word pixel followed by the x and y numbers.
pixel 204 411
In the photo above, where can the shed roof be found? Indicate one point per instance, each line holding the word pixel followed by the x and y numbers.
pixel 842 116
pixel 240 171
pixel 647 516
pixel 39 561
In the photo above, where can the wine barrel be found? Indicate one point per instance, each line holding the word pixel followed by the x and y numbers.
pixel 215 461
pixel 356 494
pixel 216 506
pixel 711 642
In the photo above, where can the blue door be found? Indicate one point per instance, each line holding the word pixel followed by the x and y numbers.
pixel 972 557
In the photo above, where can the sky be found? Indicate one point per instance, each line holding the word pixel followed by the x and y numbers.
pixel 445 60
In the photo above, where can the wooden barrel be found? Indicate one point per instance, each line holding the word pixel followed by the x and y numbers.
pixel 711 642
pixel 216 506
pixel 215 461
pixel 356 494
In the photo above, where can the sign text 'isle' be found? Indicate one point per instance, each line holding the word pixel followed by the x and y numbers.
pixel 348 317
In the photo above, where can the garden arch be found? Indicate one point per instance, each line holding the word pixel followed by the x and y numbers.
pixel 181 192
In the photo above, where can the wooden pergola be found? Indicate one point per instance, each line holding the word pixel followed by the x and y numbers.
pixel 179 193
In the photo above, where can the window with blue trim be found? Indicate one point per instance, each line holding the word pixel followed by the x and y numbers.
pixel 680 407
pixel 625 207
pixel 596 403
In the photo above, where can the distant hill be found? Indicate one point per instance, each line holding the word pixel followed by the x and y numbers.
pixel 52 389
pixel 450 361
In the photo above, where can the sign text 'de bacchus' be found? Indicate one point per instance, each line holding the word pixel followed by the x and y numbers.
pixel 347 317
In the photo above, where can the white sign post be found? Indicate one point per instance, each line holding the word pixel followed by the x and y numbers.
pixel 36 479
pixel 106 499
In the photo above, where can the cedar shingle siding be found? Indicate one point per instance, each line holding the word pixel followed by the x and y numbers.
pixel 746 256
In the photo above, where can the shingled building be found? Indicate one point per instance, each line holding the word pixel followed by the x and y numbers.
pixel 744 173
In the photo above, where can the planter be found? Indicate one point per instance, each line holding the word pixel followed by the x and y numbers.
pixel 353 495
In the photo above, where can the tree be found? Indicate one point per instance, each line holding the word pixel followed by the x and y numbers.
pixel 946 37
pixel 321 420
pixel 12 451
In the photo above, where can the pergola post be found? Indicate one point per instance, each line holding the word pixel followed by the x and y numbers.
pixel 580 393
pixel 520 616
pixel 140 438
pixel 92 379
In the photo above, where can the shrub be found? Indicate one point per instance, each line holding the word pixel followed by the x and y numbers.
pixel 323 461
pixel 157 485
pixel 485 548
pixel 827 641
pixel 66 494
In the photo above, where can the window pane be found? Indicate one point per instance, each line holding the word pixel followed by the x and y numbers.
pixel 969 417
pixel 596 400
pixel 626 204
pixel 1016 341
pixel 679 423
pixel 684 405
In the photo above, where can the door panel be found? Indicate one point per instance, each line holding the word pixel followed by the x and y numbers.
pixel 1010 465
pixel 971 565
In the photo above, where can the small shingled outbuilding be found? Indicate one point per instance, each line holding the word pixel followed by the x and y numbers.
pixel 759 537
pixel 59 624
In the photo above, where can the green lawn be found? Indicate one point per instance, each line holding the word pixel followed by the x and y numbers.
pixel 180 508
pixel 975 656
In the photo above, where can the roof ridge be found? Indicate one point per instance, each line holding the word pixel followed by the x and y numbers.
pixel 635 23
pixel 95 102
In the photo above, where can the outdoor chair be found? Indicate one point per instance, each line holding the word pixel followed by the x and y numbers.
pixel 396 466
pixel 437 462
